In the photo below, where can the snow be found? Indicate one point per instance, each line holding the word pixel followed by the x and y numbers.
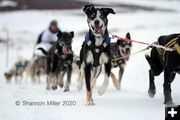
pixel 132 102
pixel 8 3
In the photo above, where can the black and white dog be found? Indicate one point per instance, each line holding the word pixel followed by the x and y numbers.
pixel 95 50
pixel 120 49
pixel 167 61
pixel 59 61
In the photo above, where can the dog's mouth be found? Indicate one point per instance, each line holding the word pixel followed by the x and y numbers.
pixel 97 29
pixel 65 50
pixel 126 53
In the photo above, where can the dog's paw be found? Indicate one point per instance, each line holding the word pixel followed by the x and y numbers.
pixel 66 90
pixel 61 85
pixel 118 86
pixel 47 88
pixel 90 103
pixel 79 88
pixel 101 91
pixel 169 103
pixel 54 87
pixel 151 93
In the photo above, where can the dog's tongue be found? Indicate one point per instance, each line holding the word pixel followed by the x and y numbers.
pixel 65 50
pixel 97 29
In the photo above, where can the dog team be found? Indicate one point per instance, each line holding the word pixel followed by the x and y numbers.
pixel 97 53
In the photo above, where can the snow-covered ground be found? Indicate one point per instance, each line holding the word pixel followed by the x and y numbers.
pixel 132 102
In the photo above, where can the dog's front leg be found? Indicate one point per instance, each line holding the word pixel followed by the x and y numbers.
pixel 68 81
pixel 115 81
pixel 54 78
pixel 48 81
pixel 95 75
pixel 80 79
pixel 61 79
pixel 105 84
pixel 168 78
pixel 87 70
pixel 121 72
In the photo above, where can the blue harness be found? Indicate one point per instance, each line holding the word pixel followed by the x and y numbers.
pixel 97 50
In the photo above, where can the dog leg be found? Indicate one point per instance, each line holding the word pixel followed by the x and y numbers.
pixel 96 73
pixel 68 81
pixel 61 81
pixel 80 78
pixel 80 81
pixel 87 70
pixel 152 88
pixel 105 84
pixel 20 78
pixel 115 81
pixel 54 81
pixel 48 82
pixel 121 72
pixel 168 76
pixel 38 75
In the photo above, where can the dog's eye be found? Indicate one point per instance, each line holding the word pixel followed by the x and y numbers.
pixel 92 15
pixel 102 16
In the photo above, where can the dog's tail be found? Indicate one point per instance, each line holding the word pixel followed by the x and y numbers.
pixel 148 58
pixel 43 51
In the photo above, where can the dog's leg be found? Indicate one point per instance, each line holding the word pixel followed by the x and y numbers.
pixel 80 79
pixel 16 78
pixel 87 70
pixel 105 84
pixel 115 81
pixel 48 81
pixel 38 75
pixel 54 81
pixel 168 78
pixel 61 80
pixel 68 81
pixel 96 73
pixel 121 72
pixel 20 78
pixel 152 87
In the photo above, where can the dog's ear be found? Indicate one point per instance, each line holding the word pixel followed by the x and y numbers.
pixel 106 11
pixel 128 36
pixel 59 35
pixel 72 34
pixel 88 8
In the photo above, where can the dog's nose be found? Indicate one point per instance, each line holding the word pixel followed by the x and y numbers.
pixel 96 22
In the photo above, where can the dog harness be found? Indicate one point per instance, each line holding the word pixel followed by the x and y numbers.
pixel 97 50
pixel 172 43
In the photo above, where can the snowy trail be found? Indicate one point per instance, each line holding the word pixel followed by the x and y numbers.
pixel 132 102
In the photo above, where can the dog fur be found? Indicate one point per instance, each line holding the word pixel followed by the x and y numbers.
pixel 90 66
pixel 38 68
pixel 59 61
pixel 120 49
pixel 167 61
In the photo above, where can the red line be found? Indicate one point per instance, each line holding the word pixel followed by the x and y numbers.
pixel 126 39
